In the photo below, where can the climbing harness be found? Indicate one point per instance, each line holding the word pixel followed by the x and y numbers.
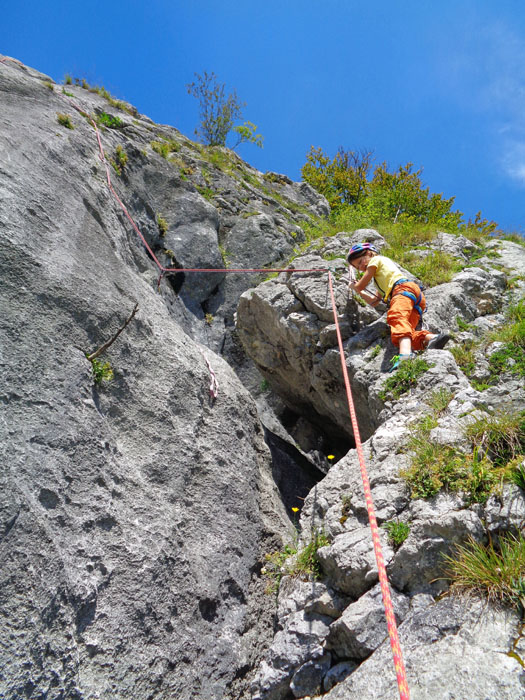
pixel 383 579
pixel 410 295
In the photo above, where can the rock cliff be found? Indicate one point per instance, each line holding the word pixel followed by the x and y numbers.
pixel 135 514
pixel 332 636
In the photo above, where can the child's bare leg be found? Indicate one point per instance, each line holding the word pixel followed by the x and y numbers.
pixel 405 346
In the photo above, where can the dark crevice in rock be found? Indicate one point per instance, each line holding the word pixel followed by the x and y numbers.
pixel 94 213
pixel 49 499
pixel 208 609
pixel 85 615
pixel 314 433
pixel 209 305
pixel 176 280
pixel 9 525
pixel 293 473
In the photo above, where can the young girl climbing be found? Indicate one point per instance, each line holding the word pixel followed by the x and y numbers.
pixel 404 297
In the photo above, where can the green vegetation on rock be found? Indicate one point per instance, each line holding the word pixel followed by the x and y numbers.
pixel 497 451
pixel 218 113
pixel 405 377
pixel 291 561
pixel 495 572
pixel 510 357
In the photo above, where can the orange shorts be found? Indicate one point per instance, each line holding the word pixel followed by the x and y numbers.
pixel 403 318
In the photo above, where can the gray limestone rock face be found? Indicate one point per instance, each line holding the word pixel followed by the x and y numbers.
pixel 452 649
pixel 415 566
pixel 133 513
pixel 362 627
pixel 338 673
pixel 308 679
pixel 296 340
pixel 457 246
pixel 299 642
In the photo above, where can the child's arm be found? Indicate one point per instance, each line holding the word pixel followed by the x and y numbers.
pixel 359 287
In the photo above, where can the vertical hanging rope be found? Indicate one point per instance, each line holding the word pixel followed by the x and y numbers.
pixel 383 579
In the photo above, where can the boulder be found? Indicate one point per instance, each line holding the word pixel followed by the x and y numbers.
pixel 362 627
pixel 452 648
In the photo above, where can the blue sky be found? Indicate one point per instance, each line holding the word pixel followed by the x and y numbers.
pixel 439 84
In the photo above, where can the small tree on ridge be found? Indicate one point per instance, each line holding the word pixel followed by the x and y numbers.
pixel 219 111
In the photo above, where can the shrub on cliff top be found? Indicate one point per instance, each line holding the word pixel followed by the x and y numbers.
pixel 396 203
pixel 218 113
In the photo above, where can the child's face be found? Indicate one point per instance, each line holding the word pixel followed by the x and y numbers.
pixel 361 263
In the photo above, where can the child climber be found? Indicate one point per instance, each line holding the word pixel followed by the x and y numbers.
pixel 405 300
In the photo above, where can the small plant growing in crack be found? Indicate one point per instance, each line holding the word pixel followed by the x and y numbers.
pixel 103 371
pixel 397 532
pixel 162 225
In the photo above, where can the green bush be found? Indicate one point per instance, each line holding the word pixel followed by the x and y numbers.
pixel 218 111
pixel 343 179
pixel 375 196
pixel 104 119
pixel 247 133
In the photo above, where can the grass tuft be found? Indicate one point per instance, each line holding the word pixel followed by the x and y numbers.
pixel 290 561
pixel 497 574
pixel 65 120
pixel 397 532
pixel 497 455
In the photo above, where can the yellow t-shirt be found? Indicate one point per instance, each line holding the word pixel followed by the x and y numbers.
pixel 387 272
